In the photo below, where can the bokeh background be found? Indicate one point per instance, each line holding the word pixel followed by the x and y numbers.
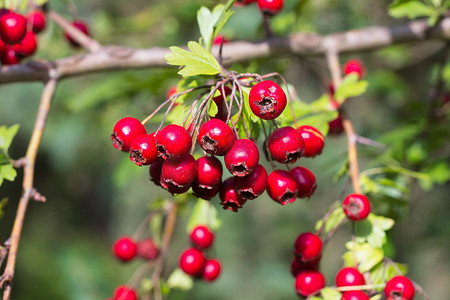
pixel 96 195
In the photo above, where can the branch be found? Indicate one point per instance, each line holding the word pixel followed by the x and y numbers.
pixel 28 190
pixel 117 58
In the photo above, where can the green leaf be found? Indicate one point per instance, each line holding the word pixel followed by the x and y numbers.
pixel 334 219
pixel 7 135
pixel 411 9
pixel 373 230
pixel 366 256
pixel 7 172
pixel 203 213
pixel 342 171
pixel 178 114
pixel 213 109
pixel 196 62
pixel 210 23
pixel 376 297
pixel 248 110
pixel 319 121
pixel 350 87
pixel 330 294
pixel 3 203
pixel 440 172
pixel 180 280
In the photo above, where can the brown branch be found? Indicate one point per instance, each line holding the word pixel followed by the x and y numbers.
pixel 28 190
pixel 301 44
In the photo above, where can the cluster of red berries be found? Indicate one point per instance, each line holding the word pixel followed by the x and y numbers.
pixel 194 262
pixel 270 7
pixel 125 249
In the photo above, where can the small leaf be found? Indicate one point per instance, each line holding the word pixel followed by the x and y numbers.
pixel 366 256
pixel 334 219
pixel 330 294
pixel 3 203
pixel 203 213
pixel 213 109
pixel 7 135
pixel 7 172
pixel 180 280
pixel 350 87
pixel 410 9
pixel 248 110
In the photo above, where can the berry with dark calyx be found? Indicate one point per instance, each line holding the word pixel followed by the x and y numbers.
pixel 206 192
pixel 271 7
pixel 171 188
pixel 38 20
pixel 314 140
pixel 282 187
pixel 307 247
pixel 306 181
pixel 192 262
pixel 216 137
pixel 267 100
pixel 125 248
pixel 201 237
pixel 229 198
pixel 353 66
pixel 286 145
pixel 308 282
pixel 81 26
pixel 356 207
pixel 143 150
pixel 13 28
pixel 212 270
pixel 27 46
pixel 354 295
pixel 297 265
pixel 124 292
pixel 209 171
pixel 253 185
pixel 349 277
pixel 155 172
pixel 242 158
pixel 222 112
pixel 173 141
pixel 147 249
pixel 399 288
pixel 179 171
pixel 125 131
pixel 8 56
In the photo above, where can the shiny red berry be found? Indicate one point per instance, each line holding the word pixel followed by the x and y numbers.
pixel 147 249
pixel 216 137
pixel 282 187
pixel 267 100
pixel 349 277
pixel 314 140
pixel 173 141
pixel 8 56
pixel 307 247
pixel 297 265
pixel 13 28
pixel 308 282
pixel 354 295
pixel 206 192
pixel 242 158
pixel 125 248
pixel 143 150
pixel 192 262
pixel 253 185
pixel 155 172
pixel 286 145
pixel 355 66
pixel 356 207
pixel 38 20
pixel 271 7
pixel 219 39
pixel 209 171
pixel 212 270
pixel 125 293
pixel 125 131
pixel 179 171
pixel 27 46
pixel 399 288
pixel 201 237
pixel 306 181
pixel 81 26
pixel 172 91
pixel 229 198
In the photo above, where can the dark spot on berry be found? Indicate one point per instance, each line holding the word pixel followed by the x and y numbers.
pixel 266 105
pixel 239 170
pixel 293 156
pixel 288 197
pixel 208 143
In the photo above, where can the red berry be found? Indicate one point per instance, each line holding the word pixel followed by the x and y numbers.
pixel 307 247
pixel 253 185
pixel 173 189
pixel 143 149
pixel 172 91
pixel 13 28
pixel 356 207
pixel 271 7
pixel 202 237
pixel 38 20
pixel 125 293
pixel 229 198
pixel 267 100
pixel 242 158
pixel 286 145
pixel 349 277
pixel 125 131
pixel 282 187
pixel 8 56
pixel 81 26
pixel 125 248
pixel 306 181
pixel 206 192
pixel 354 295
pixel 155 172
pixel 209 171
pixel 297 265
pixel 353 65
pixel 336 127
pixel 216 137
pixel 27 46
pixel 314 140
pixel 212 270
pixel 400 288
pixel 179 172
pixel 173 141
pixel 309 282
pixel 220 101
pixel 219 39
pixel 147 249
pixel 192 262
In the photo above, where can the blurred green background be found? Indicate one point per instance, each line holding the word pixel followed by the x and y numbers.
pixel 95 194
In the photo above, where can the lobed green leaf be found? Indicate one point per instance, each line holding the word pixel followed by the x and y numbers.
pixel 351 86
pixel 180 280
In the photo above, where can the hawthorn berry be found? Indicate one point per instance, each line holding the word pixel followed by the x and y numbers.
pixel 179 172
pixel 173 141
pixel 172 91
pixel 271 7
pixel 354 295
pixel 355 66
pixel 356 207
pixel 192 262
pixel 307 247
pixel 336 126
pixel 308 282
pixel 212 270
pixel 155 172
pixel 219 39
pixel 171 188
pixel 222 112
pixel 286 145
pixel 229 198
pixel 242 158
pixel 201 237
pixel 124 292
pixel 147 249
pixel 297 265
pixel 281 187
pixel 143 149
pixel 253 185
pixel 267 100
pixel 216 137
pixel 13 28
pixel 81 26
pixel 306 181
pixel 125 131
pixel 8 56
pixel 38 20
pixel 125 248
pixel 399 288
pixel 349 277
pixel 314 140
pixel 206 192
pixel 209 171
pixel 27 46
